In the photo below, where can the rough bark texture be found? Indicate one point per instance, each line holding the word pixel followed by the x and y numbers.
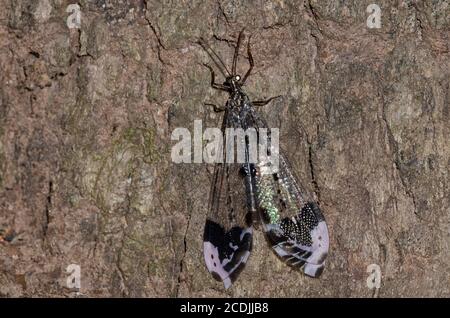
pixel 86 117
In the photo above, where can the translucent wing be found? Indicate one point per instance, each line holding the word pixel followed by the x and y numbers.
pixel 228 229
pixel 292 221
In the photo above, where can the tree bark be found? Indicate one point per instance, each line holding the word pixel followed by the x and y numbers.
pixel 86 116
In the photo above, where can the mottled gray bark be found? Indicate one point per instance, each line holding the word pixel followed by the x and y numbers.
pixel 86 117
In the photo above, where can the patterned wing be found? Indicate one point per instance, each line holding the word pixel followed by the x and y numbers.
pixel 227 240
pixel 228 233
pixel 292 221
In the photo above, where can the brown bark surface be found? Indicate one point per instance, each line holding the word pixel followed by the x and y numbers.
pixel 86 117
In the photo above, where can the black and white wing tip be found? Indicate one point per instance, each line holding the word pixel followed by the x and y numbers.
pixel 226 253
pixel 308 248
pixel 315 263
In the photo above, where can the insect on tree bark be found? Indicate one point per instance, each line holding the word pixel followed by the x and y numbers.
pixel 244 193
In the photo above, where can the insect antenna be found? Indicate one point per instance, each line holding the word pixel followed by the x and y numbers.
pixel 214 57
pixel 236 51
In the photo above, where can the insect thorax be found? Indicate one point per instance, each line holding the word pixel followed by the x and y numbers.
pixel 238 100
pixel 239 109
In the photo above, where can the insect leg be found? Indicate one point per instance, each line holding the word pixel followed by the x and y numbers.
pixel 213 79
pixel 236 52
pixel 217 109
pixel 264 102
pixel 250 61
